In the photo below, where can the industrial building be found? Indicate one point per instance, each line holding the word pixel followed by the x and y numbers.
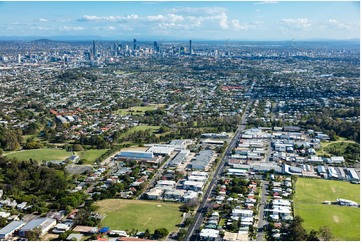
pixel 10 229
pixel 135 155
pixel 160 150
pixel 179 158
pixel 45 224
pixel 202 160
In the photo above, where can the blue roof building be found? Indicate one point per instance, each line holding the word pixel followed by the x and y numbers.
pixel 9 229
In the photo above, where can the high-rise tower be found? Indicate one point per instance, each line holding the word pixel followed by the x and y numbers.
pixel 94 49
pixel 134 44
pixel 190 47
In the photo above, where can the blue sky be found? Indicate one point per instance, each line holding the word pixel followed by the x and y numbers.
pixel 215 20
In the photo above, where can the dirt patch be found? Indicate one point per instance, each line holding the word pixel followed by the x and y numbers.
pixel 336 219
pixel 333 190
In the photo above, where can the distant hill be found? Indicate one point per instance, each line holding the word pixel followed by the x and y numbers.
pixel 43 41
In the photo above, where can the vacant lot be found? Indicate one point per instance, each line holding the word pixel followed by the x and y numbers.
pixel 344 222
pixel 40 154
pixel 140 215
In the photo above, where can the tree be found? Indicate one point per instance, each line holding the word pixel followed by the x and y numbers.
pixel 188 221
pixel 325 233
pixel 3 222
pixel 160 233
pixel 296 232
pixel 147 234
pixel 77 147
pixel 181 234
pixel 313 236
pixel 33 235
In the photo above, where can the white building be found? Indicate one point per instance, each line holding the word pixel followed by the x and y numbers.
pixel 209 234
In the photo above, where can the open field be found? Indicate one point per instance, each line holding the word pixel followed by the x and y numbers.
pixel 140 215
pixel 140 128
pixel 344 222
pixel 139 109
pixel 55 154
pixel 40 154
pixel 91 155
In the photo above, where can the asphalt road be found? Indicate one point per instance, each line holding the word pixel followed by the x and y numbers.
pixel 205 203
pixel 261 221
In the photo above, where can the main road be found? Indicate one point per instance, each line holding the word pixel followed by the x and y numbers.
pixel 205 203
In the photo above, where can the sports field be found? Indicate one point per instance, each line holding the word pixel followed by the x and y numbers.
pixel 139 109
pixel 40 154
pixel 140 215
pixel 344 222
pixel 55 154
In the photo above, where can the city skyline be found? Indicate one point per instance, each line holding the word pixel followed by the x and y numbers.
pixel 158 21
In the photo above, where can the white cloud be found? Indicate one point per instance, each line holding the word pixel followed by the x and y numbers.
pixel 110 28
pixel 244 26
pixel 42 20
pixel 341 25
pixel 295 24
pixel 198 11
pixel 176 18
pixel 238 26
pixel 266 2
pixel 93 18
pixel 72 28
pixel 223 21
pixel 155 18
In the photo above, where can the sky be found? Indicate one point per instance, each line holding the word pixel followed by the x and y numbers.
pixel 202 20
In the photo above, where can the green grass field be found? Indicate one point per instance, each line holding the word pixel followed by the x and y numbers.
pixel 139 109
pixel 344 222
pixel 326 145
pixel 55 154
pixel 40 154
pixel 140 215
pixel 91 155
pixel 139 128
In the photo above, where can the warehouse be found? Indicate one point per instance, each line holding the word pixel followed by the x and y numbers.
pixel 8 230
pixel 45 224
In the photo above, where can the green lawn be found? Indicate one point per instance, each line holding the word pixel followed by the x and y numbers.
pixel 40 154
pixel 344 222
pixel 91 155
pixel 140 215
